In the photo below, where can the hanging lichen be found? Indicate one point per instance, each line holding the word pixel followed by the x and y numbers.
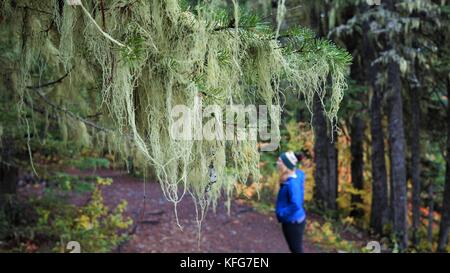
pixel 154 55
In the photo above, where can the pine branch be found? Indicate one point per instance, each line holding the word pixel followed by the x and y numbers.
pixel 37 89
pixel 35 9
pixel 102 9
pixel 70 113
pixel 50 83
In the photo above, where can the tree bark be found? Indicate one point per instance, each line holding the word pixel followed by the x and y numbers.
pixel 397 154
pixel 415 162
pixel 321 175
pixel 8 170
pixel 444 228
pixel 333 175
pixel 380 207
pixel 430 213
pixel 357 164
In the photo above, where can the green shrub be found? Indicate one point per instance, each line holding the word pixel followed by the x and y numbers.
pixel 86 163
pixel 47 223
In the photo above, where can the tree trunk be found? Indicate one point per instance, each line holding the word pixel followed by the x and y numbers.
pixel 380 208
pixel 333 175
pixel 321 175
pixel 8 170
pixel 444 228
pixel 415 162
pixel 397 154
pixel 357 165
pixel 430 213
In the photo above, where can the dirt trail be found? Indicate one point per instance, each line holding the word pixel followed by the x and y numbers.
pixel 244 230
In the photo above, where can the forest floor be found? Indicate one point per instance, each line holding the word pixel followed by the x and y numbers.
pixel 243 230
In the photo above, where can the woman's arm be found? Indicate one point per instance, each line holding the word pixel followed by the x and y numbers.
pixel 295 197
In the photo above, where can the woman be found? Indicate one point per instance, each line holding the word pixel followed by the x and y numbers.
pixel 289 207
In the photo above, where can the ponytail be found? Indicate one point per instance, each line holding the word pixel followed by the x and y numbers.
pixel 300 155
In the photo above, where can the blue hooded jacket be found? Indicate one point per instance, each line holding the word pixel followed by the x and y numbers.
pixel 289 206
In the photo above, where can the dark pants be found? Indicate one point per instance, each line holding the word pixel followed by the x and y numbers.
pixel 294 235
